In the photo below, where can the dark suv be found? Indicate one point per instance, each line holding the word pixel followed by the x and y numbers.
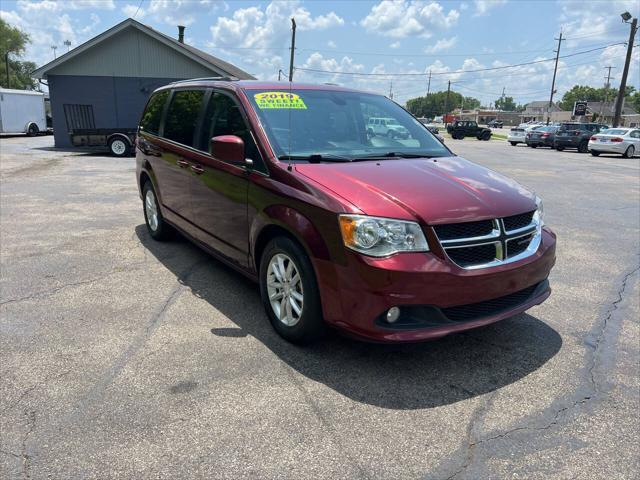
pixel 576 135
pixel 388 239
pixel 468 128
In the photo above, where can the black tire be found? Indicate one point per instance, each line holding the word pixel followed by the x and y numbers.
pixel 513 144
pixel 33 130
pixel 310 325
pixel 162 230
pixel 629 152
pixel 595 153
pixel 560 149
pixel 119 146
pixel 370 133
pixel 486 136
pixel 533 146
pixel 583 147
pixel 391 134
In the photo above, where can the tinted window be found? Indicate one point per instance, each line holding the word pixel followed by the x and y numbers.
pixel 150 121
pixel 182 116
pixel 223 117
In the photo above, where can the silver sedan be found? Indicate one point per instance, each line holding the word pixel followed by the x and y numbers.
pixel 625 141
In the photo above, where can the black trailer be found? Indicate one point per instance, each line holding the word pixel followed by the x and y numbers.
pixel 119 141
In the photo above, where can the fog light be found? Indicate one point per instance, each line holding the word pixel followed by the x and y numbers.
pixel 393 314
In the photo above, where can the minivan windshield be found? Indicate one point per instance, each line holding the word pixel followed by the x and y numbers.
pixel 328 125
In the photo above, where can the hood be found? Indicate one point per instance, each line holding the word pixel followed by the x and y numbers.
pixel 438 190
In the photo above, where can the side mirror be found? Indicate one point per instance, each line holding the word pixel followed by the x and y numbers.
pixel 227 148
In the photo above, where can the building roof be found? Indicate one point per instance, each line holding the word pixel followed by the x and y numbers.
pixel 542 104
pixel 608 108
pixel 209 62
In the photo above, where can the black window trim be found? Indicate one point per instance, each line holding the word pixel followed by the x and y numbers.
pixel 234 98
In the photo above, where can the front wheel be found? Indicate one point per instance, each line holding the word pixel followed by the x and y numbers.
pixel 559 149
pixel 513 144
pixel 630 151
pixel 533 146
pixel 391 134
pixel 486 136
pixel 289 292
pixel 594 153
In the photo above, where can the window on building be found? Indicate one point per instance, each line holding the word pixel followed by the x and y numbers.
pixel 182 116
pixel 150 121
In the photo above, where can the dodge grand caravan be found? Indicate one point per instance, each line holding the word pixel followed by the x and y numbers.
pixel 388 239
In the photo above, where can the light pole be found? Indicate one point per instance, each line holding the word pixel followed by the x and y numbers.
pixel 626 16
pixel 54 48
pixel 67 44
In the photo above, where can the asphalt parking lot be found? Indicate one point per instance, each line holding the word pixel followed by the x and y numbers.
pixel 125 358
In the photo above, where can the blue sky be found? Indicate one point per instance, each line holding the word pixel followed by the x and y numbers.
pixel 393 39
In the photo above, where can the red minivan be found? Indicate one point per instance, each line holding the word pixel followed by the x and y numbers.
pixel 386 237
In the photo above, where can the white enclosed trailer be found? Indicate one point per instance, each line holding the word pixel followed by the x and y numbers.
pixel 22 111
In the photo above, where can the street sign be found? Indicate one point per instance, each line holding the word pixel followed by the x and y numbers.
pixel 579 109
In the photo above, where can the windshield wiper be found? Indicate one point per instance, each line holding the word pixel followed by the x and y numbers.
pixel 394 155
pixel 316 158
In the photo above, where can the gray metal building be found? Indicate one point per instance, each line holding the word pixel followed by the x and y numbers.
pixel 105 82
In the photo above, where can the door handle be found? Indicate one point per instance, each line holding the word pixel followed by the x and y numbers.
pixel 197 169
pixel 183 163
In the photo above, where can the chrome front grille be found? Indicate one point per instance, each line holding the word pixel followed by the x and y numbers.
pixel 488 243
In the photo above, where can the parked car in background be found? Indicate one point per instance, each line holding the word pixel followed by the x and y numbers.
pixel 438 119
pixel 516 135
pixel 541 137
pixel 22 111
pixel 495 124
pixel 394 240
pixel 625 141
pixel 466 128
pixel 388 127
pixel 576 135
pixel 434 129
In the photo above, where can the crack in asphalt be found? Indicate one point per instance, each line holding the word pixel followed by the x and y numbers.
pixel 31 389
pixel 53 291
pixel 317 411
pixel 595 348
pixel 26 458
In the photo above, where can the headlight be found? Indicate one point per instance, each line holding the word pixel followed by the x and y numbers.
pixel 539 211
pixel 379 237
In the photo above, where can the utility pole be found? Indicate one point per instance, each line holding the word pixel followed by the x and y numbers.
pixel 429 84
pixel 625 72
pixel 446 102
pixel 606 90
pixel 68 44
pixel 293 48
pixel 54 48
pixel 553 82
pixel 391 90
pixel 6 63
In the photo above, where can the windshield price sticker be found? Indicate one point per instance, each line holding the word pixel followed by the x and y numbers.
pixel 279 100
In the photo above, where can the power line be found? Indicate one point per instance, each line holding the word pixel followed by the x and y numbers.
pixel 503 67
pixel 138 9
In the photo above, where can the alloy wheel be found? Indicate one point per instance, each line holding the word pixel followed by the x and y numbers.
pixel 284 288
pixel 151 210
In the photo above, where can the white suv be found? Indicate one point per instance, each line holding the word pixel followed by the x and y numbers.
pixel 388 127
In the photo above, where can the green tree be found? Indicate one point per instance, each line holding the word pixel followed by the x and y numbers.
pixel 506 104
pixel 591 94
pixel 436 104
pixel 634 101
pixel 13 42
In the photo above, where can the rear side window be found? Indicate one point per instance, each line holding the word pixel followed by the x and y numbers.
pixel 182 116
pixel 150 121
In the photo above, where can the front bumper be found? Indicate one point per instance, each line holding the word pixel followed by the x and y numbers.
pixel 359 293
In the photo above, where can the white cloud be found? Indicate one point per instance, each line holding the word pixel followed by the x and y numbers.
pixel 395 45
pixel 131 10
pixel 442 45
pixel 483 6
pixel 331 44
pixel 590 22
pixel 405 18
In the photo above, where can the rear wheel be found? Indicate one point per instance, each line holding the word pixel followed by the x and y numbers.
pixel 630 151
pixel 290 292
pixel 391 134
pixel 33 130
pixel 533 146
pixel 119 147
pixel 560 149
pixel 156 226
pixel 595 153
pixel 513 144
pixel 583 147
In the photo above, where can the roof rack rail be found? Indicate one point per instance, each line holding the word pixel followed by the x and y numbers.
pixel 225 79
